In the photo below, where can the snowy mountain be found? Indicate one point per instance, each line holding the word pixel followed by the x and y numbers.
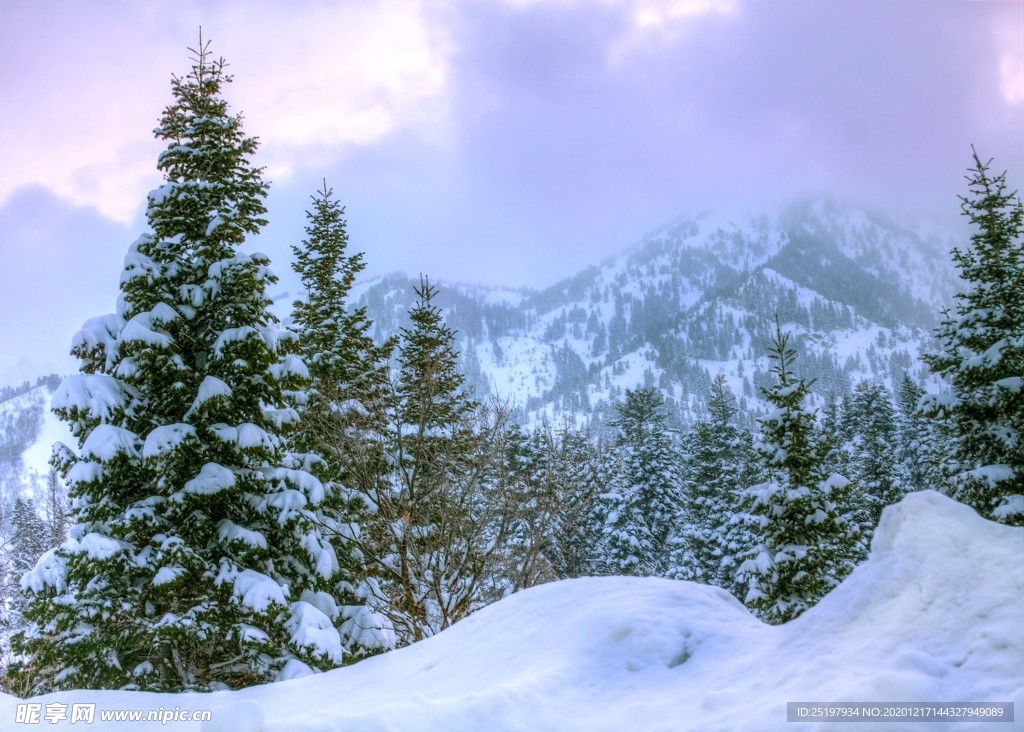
pixel 695 298
pixel 692 299
pixel 27 432
pixel 617 653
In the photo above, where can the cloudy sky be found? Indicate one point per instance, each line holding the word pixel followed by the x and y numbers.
pixel 497 141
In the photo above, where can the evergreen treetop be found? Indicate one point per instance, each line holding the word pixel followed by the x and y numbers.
pixel 334 340
pixel 430 385
pixel 342 410
pixel 642 499
pixel 720 461
pixel 431 535
pixel 29 537
pixel 981 353
pixel 805 541
pixel 873 450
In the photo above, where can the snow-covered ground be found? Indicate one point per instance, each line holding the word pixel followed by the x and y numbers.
pixel 935 614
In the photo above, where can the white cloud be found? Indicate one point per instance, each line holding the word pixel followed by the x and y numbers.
pixel 1010 41
pixel 83 105
pixel 336 74
pixel 663 21
pixel 649 14
pixel 1011 78
pixel 309 77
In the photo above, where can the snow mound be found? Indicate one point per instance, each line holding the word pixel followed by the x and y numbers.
pixel 933 615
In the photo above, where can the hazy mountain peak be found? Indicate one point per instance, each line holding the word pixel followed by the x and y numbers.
pixel 695 297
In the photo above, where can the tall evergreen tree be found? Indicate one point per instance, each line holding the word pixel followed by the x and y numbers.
pixel 879 477
pixel 25 540
pixel 805 542
pixel 578 528
pixel 721 461
pixel 832 435
pixel 434 532
pixel 923 445
pixel 643 500
pixel 30 539
pixel 56 509
pixel 195 561
pixel 531 492
pixel 343 410
pixel 981 353
pixel 9 623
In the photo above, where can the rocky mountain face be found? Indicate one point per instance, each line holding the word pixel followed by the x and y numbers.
pixel 699 297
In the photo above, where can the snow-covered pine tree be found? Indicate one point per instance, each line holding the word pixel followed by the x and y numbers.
pixel 56 509
pixel 30 539
pixel 9 589
pixel 528 483
pixel 195 561
pixel 343 410
pixel 720 462
pixel 27 537
pixel 872 447
pixel 981 353
pixel 923 445
pixel 804 540
pixel 577 531
pixel 643 501
pixel 432 534
pixel 832 435
pixel 605 504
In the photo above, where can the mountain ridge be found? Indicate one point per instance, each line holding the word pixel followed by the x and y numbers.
pixel 693 298
pixel 861 291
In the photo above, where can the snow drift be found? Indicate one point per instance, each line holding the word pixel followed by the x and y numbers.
pixel 935 614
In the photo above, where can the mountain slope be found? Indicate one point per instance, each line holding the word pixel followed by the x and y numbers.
pixel 693 299
pixel 27 432
pixel 696 298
